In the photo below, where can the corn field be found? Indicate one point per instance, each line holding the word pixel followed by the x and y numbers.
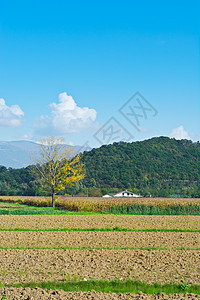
pixel 114 205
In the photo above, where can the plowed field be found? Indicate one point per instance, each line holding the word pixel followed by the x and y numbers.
pixel 111 240
pixel 42 256
pixel 148 266
pixel 99 221
pixel 43 294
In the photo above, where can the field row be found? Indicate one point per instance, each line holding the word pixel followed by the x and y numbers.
pixel 99 221
pixel 95 240
pixel 159 266
pixel 44 294
pixel 99 204
pixel 103 202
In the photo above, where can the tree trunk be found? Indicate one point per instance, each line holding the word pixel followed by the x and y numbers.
pixel 53 196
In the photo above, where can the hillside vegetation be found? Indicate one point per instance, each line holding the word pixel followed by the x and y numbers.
pixel 158 167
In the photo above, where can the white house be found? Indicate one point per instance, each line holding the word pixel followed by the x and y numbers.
pixel 122 194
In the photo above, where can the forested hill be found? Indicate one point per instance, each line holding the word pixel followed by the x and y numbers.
pixel 158 166
pixel 154 164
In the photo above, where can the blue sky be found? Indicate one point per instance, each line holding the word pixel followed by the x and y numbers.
pixel 66 69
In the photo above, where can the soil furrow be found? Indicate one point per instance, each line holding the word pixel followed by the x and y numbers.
pixel 166 240
pixel 142 265
pixel 44 294
pixel 99 221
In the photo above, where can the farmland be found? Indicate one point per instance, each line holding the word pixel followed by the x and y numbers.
pixel 99 222
pixel 96 204
pixel 140 265
pixel 98 240
pixel 104 256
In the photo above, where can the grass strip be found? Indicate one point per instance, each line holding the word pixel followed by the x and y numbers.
pixel 113 286
pixel 43 211
pixel 17 208
pixel 117 229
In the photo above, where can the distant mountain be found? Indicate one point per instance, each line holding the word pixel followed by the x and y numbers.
pixel 17 154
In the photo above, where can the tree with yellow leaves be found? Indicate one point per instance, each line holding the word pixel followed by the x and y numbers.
pixel 58 165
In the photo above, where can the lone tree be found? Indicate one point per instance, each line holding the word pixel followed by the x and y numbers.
pixel 58 165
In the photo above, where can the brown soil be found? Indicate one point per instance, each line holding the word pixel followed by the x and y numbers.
pixel 166 240
pixel 150 266
pixel 162 266
pixel 44 294
pixel 99 221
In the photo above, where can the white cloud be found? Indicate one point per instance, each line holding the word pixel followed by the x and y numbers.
pixel 179 133
pixel 10 116
pixel 66 116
